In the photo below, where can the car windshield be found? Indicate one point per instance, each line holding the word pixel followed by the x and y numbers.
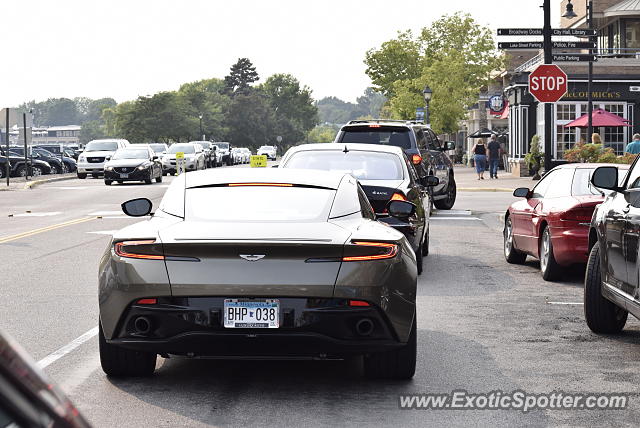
pixel 157 147
pixel 258 204
pixel 582 182
pixel 131 154
pixel 205 145
pixel 222 145
pixel 362 165
pixel 44 152
pixel 266 148
pixel 376 134
pixel 184 148
pixel 97 146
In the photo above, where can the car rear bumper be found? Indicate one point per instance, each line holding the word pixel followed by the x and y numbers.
pixel 570 244
pixel 194 326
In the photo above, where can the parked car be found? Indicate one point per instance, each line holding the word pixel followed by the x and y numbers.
pixel 421 145
pixel 268 151
pixel 247 154
pixel 551 223
pixel 27 397
pixel 385 173
pixel 210 152
pixel 197 280
pixel 55 149
pixel 194 157
pixel 57 166
pixel 18 167
pixel 611 285
pixel 224 155
pixel 96 153
pixel 159 148
pixel 238 156
pixel 133 163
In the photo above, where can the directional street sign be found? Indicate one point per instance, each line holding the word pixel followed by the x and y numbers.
pixel 574 45
pixel 574 58
pixel 520 45
pixel 548 83
pixel 576 32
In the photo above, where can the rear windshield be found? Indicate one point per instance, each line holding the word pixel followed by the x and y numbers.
pixel 131 154
pixel 389 135
pixel 582 182
pixel 258 204
pixel 97 146
pixel 157 147
pixel 221 145
pixel 362 165
pixel 184 148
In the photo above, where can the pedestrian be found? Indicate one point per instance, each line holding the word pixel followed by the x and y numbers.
pixel 595 138
pixel 494 156
pixel 479 151
pixel 634 146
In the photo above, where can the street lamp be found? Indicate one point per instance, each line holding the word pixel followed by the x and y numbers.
pixel 201 133
pixel 570 14
pixel 427 93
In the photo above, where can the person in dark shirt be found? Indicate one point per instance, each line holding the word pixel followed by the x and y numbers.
pixel 479 151
pixel 494 156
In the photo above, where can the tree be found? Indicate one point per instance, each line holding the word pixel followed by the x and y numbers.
pixel 206 98
pixel 251 120
pixel 454 57
pixel 322 134
pixel 241 76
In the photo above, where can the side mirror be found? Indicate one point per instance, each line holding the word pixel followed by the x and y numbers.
pixel 522 192
pixel 449 145
pixel 107 157
pixel 155 157
pixel 606 177
pixel 430 181
pixel 139 207
pixel 401 209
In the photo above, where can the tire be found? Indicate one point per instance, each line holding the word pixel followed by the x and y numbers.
pixel 65 168
pixel 511 254
pixel 419 258
pixel 399 364
pixel 21 171
pixel 36 171
pixel 3 171
pixel 425 244
pixel 602 315
pixel 159 179
pixel 448 202
pixel 121 362
pixel 108 182
pixel 57 170
pixel 120 182
pixel 549 268
pixel 82 176
pixel 95 175
pixel 148 181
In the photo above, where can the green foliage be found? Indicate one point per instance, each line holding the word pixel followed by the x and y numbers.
pixel 241 76
pixel 251 121
pixel 534 157
pixel 322 134
pixel 454 57
pixel 334 110
pixel 595 153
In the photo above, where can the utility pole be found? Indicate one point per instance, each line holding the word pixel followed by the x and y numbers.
pixel 7 137
pixel 548 107
pixel 590 76
pixel 24 127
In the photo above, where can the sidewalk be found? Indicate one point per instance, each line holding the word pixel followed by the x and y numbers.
pixel 467 181
pixel 19 183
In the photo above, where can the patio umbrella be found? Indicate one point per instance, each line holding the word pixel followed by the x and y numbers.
pixel 600 117
pixel 483 133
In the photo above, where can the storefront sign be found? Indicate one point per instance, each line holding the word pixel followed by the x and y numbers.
pixel 496 103
pixel 583 95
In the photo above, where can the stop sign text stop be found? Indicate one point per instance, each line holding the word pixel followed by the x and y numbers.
pixel 548 83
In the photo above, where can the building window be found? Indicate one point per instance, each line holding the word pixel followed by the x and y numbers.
pixel 632 33
pixel 566 111
pixel 566 138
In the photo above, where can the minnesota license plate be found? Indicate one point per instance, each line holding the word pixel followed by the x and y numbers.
pixel 124 175
pixel 240 313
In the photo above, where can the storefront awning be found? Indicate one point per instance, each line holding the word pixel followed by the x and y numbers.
pixel 504 114
pixel 599 117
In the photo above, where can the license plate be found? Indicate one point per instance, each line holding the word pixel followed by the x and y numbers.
pixel 124 175
pixel 240 313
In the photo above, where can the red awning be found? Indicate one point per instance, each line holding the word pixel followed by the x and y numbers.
pixel 504 114
pixel 599 117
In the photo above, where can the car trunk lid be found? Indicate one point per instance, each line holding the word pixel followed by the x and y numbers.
pixel 379 192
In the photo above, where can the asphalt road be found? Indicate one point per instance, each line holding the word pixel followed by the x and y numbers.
pixel 483 325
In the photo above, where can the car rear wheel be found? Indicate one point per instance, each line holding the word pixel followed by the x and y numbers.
pixel 425 244
pixel 159 179
pixel 419 258
pixel 148 181
pixel 36 171
pixel 397 364
pixel 108 182
pixel 549 268
pixel 448 202
pixel 65 168
pixel 512 255
pixel 82 176
pixel 121 362
pixel 602 316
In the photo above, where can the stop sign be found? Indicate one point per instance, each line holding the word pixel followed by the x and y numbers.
pixel 548 83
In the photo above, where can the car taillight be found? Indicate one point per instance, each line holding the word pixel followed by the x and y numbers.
pixel 581 214
pixel 260 184
pixel 364 250
pixel 398 197
pixel 151 301
pixel 416 159
pixel 374 126
pixel 140 249
pixel 358 303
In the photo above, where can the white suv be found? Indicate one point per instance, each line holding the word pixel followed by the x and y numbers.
pixel 268 151
pixel 96 153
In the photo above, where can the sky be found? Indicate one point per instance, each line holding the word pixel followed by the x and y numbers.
pixel 127 48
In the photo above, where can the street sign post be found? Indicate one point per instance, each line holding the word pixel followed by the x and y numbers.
pixel 575 32
pixel 179 163
pixel 548 83
pixel 258 161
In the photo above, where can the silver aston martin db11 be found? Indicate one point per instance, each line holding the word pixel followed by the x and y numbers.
pixel 272 263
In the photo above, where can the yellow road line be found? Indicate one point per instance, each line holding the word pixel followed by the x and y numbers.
pixel 44 229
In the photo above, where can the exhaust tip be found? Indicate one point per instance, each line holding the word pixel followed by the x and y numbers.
pixel 364 327
pixel 142 325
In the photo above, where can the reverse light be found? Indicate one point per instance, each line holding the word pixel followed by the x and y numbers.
pixel 358 303
pixel 379 251
pixel 260 184
pixel 152 301
pixel 137 250
pixel 416 159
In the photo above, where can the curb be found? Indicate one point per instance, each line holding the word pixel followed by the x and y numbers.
pixel 484 189
pixel 32 184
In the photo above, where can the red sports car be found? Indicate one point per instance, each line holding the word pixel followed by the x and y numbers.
pixel 552 222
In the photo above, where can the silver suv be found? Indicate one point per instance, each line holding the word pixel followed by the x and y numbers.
pixel 96 153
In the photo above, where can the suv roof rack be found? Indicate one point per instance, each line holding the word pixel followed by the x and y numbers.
pixel 406 122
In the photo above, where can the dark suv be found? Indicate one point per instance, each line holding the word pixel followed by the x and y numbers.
pixel 420 144
pixel 611 285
